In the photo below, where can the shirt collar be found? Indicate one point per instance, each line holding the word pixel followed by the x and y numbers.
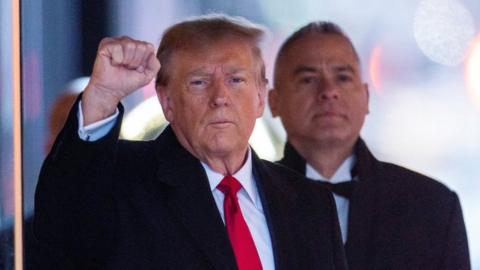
pixel 244 176
pixel 342 174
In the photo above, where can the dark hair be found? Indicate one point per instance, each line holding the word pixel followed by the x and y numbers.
pixel 203 31
pixel 313 28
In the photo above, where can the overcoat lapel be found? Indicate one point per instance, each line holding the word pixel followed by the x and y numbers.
pixel 277 209
pixel 293 160
pixel 191 201
pixel 362 211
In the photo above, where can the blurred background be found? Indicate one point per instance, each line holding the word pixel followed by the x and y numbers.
pixel 420 58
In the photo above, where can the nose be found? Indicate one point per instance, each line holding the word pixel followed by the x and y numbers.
pixel 219 95
pixel 328 90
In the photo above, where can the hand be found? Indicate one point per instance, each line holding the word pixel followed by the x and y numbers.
pixel 122 66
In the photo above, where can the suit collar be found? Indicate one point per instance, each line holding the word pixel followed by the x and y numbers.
pixel 244 175
pixel 343 173
pixel 365 163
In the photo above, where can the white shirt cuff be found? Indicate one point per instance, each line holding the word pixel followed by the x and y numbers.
pixel 97 130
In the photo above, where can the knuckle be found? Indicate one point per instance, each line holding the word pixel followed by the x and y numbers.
pixel 141 47
pixel 129 45
pixel 149 47
pixel 124 38
pixel 104 42
pixel 116 47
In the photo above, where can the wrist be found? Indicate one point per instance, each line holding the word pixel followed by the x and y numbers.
pixel 98 104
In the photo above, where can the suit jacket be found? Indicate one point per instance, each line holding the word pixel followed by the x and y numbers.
pixel 398 219
pixel 114 204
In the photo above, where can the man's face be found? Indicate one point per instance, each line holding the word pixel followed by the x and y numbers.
pixel 214 97
pixel 319 96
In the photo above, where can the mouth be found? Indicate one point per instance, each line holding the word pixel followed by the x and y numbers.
pixel 329 114
pixel 221 123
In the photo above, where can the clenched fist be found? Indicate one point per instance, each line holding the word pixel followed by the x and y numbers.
pixel 122 66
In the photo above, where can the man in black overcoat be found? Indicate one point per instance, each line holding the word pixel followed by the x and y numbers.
pixel 197 197
pixel 390 217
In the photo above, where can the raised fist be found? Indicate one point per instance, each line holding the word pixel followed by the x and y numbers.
pixel 122 66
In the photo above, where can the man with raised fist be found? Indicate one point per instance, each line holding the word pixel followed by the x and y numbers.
pixel 197 197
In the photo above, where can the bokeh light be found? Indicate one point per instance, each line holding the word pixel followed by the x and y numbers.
pixel 374 68
pixel 443 30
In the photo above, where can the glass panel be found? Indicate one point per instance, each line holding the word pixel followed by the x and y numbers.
pixel 51 54
pixel 7 210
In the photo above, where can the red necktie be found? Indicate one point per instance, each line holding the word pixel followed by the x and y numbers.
pixel 240 238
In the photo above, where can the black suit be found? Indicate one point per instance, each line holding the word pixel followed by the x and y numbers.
pixel 398 219
pixel 115 204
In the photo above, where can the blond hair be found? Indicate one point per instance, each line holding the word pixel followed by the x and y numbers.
pixel 203 31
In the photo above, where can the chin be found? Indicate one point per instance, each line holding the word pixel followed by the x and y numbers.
pixel 226 145
pixel 330 138
pixel 220 151
pixel 219 145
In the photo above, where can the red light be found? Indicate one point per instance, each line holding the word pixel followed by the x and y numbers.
pixel 374 68
pixel 472 71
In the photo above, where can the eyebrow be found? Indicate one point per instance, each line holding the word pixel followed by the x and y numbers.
pixel 302 69
pixel 335 67
pixel 199 72
pixel 344 67
pixel 202 71
pixel 235 70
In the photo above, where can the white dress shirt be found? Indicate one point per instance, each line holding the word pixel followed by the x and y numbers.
pixel 251 206
pixel 248 197
pixel 342 174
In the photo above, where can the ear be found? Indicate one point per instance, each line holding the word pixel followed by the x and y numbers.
pixel 272 101
pixel 367 92
pixel 262 92
pixel 164 98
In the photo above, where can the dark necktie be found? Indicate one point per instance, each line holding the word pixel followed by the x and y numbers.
pixel 343 189
pixel 241 240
